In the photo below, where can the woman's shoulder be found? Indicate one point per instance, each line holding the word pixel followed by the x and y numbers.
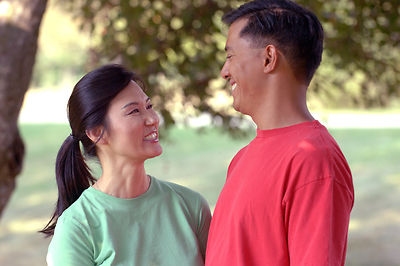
pixel 187 194
pixel 80 211
pixel 177 188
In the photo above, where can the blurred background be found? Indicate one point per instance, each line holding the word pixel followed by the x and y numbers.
pixel 178 47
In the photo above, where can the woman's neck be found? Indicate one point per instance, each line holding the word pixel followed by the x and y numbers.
pixel 127 181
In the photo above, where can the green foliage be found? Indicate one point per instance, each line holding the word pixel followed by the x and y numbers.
pixel 62 52
pixel 178 46
pixel 362 50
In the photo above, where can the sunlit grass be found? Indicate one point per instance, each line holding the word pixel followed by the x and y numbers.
pixel 199 161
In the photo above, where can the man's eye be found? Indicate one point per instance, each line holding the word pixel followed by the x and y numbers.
pixel 150 106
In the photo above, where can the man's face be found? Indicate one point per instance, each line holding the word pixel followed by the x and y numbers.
pixel 243 68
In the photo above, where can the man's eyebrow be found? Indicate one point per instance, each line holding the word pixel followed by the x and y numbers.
pixel 134 103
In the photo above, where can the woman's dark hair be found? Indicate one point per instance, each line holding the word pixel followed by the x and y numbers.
pixel 295 31
pixel 87 109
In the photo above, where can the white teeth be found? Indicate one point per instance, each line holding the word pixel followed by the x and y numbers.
pixel 152 136
pixel 234 86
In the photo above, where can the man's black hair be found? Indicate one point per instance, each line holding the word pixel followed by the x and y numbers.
pixel 294 30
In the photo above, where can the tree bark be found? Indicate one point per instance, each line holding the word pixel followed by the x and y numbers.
pixel 19 30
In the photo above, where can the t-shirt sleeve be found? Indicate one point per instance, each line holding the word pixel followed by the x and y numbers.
pixel 316 218
pixel 70 245
pixel 203 225
pixel 234 161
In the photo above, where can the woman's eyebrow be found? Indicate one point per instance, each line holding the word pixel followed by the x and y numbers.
pixel 134 103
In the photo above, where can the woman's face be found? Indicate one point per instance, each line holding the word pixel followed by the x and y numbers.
pixel 132 125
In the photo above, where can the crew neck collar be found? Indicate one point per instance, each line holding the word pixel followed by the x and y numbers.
pixel 283 130
pixel 108 197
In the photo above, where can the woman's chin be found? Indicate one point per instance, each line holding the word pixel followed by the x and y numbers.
pixel 156 152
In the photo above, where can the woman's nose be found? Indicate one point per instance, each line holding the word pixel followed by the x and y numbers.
pixel 151 118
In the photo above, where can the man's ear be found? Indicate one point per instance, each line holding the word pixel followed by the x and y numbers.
pixel 270 58
pixel 96 135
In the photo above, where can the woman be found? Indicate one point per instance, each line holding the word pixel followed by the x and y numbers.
pixel 126 217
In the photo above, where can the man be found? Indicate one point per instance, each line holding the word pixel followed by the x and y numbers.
pixel 289 192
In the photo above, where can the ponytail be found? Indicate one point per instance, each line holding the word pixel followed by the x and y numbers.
pixel 73 177
pixel 87 109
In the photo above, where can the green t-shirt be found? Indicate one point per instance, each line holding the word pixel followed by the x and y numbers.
pixel 167 225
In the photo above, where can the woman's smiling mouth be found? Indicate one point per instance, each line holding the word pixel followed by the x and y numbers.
pixel 153 136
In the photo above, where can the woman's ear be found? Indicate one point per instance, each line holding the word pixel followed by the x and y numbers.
pixel 96 135
pixel 270 58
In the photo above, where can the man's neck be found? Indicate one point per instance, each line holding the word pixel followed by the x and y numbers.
pixel 282 121
pixel 282 108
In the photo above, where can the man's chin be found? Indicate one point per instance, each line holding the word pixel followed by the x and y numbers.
pixel 238 109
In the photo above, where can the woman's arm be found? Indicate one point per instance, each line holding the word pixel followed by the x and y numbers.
pixel 70 245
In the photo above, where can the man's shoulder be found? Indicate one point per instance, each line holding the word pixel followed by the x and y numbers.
pixel 317 145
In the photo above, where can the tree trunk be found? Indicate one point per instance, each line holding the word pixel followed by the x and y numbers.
pixel 19 30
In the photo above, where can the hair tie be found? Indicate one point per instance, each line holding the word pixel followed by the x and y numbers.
pixel 73 137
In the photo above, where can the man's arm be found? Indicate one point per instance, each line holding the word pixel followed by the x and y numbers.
pixel 317 218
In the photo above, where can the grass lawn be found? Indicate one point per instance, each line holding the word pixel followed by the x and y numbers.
pixel 199 161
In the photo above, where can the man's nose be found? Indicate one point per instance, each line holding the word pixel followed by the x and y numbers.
pixel 224 71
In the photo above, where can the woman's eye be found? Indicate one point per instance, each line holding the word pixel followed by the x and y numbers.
pixel 150 106
pixel 133 111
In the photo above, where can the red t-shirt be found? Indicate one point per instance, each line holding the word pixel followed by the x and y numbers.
pixel 286 201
